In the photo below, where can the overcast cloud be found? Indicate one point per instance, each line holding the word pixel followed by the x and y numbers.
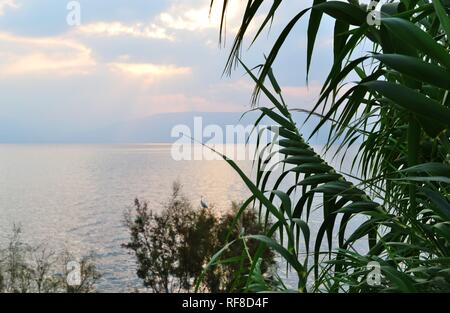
pixel 132 59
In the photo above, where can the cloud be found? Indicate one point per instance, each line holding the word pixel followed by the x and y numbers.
pixel 303 97
pixel 7 4
pixel 113 29
pixel 182 16
pixel 151 103
pixel 302 91
pixel 136 60
pixel 43 55
pixel 149 71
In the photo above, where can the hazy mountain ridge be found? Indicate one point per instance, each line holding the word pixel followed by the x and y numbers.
pixel 152 129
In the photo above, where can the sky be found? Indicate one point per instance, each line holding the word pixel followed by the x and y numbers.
pixel 132 59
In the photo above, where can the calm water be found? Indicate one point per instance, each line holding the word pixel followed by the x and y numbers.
pixel 74 196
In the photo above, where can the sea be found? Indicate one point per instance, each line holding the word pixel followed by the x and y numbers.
pixel 73 197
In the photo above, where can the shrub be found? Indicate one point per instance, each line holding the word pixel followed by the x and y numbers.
pixel 36 269
pixel 173 247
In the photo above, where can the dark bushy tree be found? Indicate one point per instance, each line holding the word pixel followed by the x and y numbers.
pixel 172 247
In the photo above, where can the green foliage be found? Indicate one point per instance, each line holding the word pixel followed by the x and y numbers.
pixel 398 117
pixel 172 247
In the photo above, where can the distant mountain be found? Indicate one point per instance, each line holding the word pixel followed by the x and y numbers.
pixel 152 129
pixel 157 128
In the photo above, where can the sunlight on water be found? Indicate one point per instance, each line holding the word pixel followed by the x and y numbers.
pixel 74 197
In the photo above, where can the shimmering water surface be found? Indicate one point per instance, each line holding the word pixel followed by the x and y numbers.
pixel 74 196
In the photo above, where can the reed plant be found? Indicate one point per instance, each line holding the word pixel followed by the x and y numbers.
pixel 397 117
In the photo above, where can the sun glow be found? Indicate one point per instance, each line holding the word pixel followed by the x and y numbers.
pixel 151 70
